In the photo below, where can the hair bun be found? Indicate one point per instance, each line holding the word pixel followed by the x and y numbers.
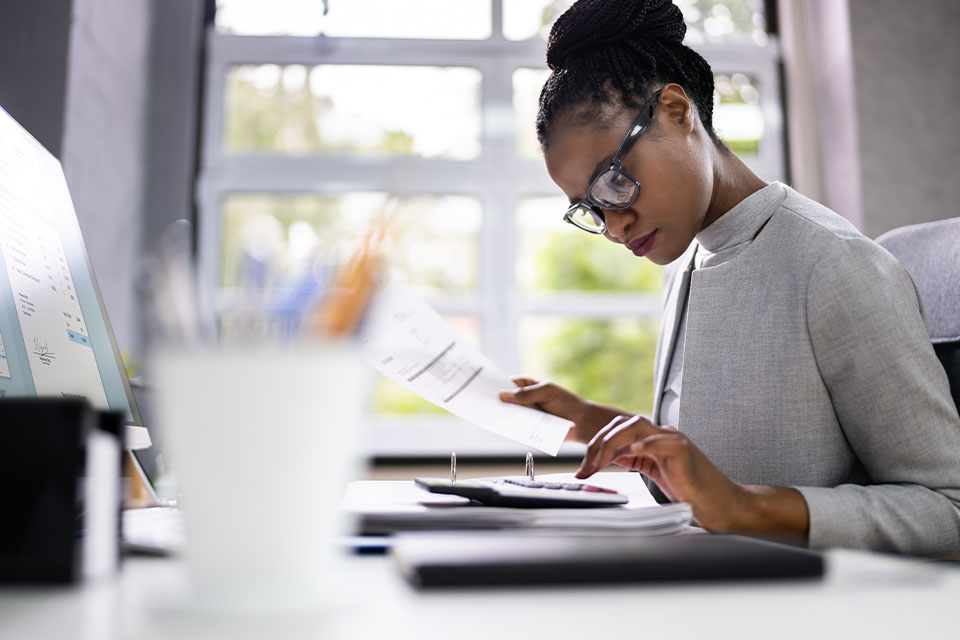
pixel 589 25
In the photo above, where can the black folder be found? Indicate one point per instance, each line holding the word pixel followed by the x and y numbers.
pixel 478 559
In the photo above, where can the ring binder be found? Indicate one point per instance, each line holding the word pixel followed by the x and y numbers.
pixel 528 471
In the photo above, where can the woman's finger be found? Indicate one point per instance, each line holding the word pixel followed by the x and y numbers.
pixel 619 454
pixel 586 468
pixel 598 437
pixel 596 445
pixel 631 430
pixel 661 444
pixel 526 395
pixel 604 446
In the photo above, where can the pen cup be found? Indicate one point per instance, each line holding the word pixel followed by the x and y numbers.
pixel 263 442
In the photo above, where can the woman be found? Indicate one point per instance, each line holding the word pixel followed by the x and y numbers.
pixel 797 393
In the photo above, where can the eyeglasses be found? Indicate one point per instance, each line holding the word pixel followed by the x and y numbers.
pixel 614 188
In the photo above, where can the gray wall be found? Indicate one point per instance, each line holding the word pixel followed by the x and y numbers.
pixel 33 66
pixel 103 144
pixel 906 58
pixel 172 114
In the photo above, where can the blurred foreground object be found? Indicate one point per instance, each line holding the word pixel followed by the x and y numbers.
pixel 342 309
pixel 61 461
pixel 263 440
pixel 262 425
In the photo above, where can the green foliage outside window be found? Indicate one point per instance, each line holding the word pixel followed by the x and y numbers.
pixel 578 261
pixel 289 118
pixel 607 361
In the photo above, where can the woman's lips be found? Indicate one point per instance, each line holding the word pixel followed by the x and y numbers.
pixel 640 246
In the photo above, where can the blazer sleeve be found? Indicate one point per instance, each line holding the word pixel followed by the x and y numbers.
pixel 893 402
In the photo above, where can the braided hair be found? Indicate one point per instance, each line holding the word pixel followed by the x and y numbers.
pixel 604 52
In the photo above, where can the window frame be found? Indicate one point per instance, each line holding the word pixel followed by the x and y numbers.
pixel 498 177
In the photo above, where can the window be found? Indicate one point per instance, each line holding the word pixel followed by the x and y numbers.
pixel 434 112
pixel 307 136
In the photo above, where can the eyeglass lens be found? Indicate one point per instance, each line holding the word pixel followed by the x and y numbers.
pixel 613 189
pixel 585 218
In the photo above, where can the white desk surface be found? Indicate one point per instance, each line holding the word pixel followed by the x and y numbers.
pixel 862 596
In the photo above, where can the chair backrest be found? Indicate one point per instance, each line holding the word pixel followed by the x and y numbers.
pixel 930 252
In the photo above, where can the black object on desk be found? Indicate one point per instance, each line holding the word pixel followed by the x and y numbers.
pixel 60 467
pixel 525 493
pixel 487 559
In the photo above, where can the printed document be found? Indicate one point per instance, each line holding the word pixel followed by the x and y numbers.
pixel 55 335
pixel 407 340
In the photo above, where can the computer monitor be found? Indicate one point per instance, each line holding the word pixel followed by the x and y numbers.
pixel 55 338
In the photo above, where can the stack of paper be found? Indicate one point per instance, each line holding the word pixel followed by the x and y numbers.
pixel 384 507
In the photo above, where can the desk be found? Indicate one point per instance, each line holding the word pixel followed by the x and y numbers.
pixel 863 596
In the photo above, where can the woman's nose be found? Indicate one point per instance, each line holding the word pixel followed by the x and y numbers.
pixel 618 223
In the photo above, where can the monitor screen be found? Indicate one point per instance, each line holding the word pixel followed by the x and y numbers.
pixel 55 339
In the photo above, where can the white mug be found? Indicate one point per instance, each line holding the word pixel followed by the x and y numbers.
pixel 263 441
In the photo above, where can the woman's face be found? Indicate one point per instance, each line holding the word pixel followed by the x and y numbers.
pixel 673 166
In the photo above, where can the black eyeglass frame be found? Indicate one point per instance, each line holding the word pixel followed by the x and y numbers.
pixel 592 206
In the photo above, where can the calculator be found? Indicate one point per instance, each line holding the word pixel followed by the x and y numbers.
pixel 525 493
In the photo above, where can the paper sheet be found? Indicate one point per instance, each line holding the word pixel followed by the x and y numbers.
pixel 390 506
pixel 406 340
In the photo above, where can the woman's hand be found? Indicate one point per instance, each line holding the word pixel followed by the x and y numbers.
pixel 587 417
pixel 685 474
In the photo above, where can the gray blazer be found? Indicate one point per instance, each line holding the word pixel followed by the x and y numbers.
pixel 807 364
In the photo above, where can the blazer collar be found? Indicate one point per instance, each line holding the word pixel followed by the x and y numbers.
pixel 739 225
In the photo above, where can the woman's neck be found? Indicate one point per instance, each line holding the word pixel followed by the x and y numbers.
pixel 732 182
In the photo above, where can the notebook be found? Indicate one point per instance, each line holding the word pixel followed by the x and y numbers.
pixel 497 558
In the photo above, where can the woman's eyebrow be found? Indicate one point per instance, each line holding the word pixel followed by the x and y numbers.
pixel 603 164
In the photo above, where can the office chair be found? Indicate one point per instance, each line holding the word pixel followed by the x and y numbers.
pixel 930 252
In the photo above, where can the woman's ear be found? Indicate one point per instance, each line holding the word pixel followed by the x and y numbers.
pixel 676 109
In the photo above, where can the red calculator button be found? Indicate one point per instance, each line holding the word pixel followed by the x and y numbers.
pixel 592 489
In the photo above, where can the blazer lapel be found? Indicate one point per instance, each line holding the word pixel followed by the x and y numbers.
pixel 672 313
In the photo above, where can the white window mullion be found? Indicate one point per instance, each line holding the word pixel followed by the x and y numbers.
pixel 496 10
pixel 497 236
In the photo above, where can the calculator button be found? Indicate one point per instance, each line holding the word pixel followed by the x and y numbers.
pixel 552 485
pixel 573 487
pixel 591 488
